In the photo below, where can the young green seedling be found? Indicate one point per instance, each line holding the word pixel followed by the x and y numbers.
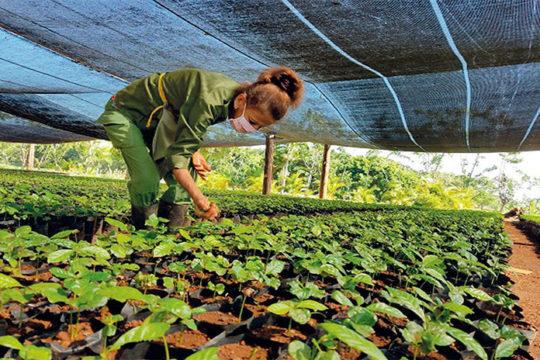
pixel 216 288
pixel 26 352
pixel 108 330
pixel 299 311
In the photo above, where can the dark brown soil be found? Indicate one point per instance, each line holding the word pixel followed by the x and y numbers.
pixel 435 356
pixel 257 285
pixel 278 334
pixel 256 310
pixel 58 309
pixel 263 298
pixel 217 318
pixel 28 267
pixel 132 324
pixel 74 333
pixel 217 298
pixel 122 282
pixel 200 275
pixel 525 257
pixel 380 341
pixel 241 351
pixel 5 314
pixel 189 339
pixel 401 322
pixel 431 356
pixel 37 277
pixel 103 313
pixel 136 303
pixel 338 308
pixel 39 324
pixel 346 353
pixel 520 357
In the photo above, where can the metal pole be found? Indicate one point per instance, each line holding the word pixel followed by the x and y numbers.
pixel 325 170
pixel 268 164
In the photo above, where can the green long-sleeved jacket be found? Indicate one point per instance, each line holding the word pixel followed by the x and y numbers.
pixel 196 97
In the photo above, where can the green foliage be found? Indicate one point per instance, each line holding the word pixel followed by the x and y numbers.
pixel 144 332
pixel 40 195
pixel 299 311
pixel 532 218
pixel 366 179
pixel 511 341
pixel 31 352
pixel 428 268
pixel 122 293
pixel 300 351
pixel 468 341
pixel 97 158
pixel 7 282
pixel 354 340
pixel 10 342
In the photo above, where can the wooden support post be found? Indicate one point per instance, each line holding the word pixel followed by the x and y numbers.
pixel 325 170
pixel 30 156
pixel 268 164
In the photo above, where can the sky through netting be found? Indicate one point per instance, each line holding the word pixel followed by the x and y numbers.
pixel 453 76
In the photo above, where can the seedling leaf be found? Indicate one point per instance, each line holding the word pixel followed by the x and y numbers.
pixel 311 305
pixel 33 352
pixel 59 256
pixel 508 347
pixel 380 307
pixel 7 282
pixel 468 341
pixel 299 351
pixel 477 293
pixel 301 316
pixel 10 342
pixel 281 308
pixel 353 340
pixel 341 298
pixel 145 332
pixel 120 225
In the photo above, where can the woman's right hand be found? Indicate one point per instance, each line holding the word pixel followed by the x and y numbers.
pixel 210 214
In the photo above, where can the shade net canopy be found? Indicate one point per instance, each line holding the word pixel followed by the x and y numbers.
pixel 429 75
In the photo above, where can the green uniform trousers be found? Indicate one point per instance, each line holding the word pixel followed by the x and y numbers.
pixel 135 142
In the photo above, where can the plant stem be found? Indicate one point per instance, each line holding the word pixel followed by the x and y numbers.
pixel 167 356
pixel 242 307
pixel 253 352
pixel 316 343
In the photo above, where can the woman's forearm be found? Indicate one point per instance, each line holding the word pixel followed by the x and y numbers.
pixel 185 180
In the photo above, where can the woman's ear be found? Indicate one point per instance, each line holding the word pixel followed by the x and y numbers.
pixel 240 101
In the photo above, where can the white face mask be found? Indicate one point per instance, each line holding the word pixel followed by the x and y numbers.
pixel 241 124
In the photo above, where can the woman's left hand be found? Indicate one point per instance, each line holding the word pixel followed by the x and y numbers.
pixel 210 214
pixel 200 164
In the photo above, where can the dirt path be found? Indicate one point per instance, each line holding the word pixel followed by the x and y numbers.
pixel 526 256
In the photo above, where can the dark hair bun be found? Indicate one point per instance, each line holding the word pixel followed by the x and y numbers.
pixel 285 79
